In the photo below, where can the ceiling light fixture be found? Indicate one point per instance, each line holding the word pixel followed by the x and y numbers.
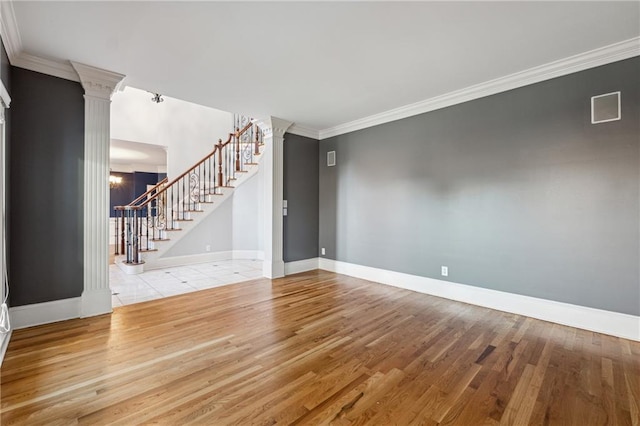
pixel 114 181
pixel 157 98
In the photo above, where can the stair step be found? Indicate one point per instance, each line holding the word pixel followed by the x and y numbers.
pixel 251 164
pixel 159 239
pixel 183 220
pixel 194 211
pixel 173 229
pixel 147 250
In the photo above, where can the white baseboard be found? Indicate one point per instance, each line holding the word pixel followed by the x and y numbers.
pixel 44 313
pixel 192 259
pixel 601 321
pixel 4 344
pixel 95 302
pixel 273 269
pixel 301 266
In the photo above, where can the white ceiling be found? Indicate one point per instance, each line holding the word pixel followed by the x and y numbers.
pixel 127 152
pixel 318 64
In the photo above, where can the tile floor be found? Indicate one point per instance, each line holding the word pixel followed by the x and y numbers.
pixel 129 289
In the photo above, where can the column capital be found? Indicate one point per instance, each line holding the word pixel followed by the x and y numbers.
pixel 273 126
pixel 97 82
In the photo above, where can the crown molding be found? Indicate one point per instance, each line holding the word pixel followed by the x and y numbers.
pixel 46 66
pixel 97 82
pixel 273 126
pixel 9 31
pixel 615 52
pixel 302 130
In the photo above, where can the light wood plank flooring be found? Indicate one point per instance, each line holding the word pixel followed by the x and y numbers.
pixel 317 348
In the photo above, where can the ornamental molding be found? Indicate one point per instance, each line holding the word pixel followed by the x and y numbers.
pixel 9 31
pixel 273 126
pixel 302 130
pixel 98 83
pixel 601 56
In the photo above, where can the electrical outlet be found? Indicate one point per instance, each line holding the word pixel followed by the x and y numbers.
pixel 444 271
pixel 207 248
pixel 322 251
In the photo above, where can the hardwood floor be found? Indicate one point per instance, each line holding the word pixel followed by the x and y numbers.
pixel 317 348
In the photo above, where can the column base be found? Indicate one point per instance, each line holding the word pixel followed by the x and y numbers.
pixel 95 302
pixel 273 269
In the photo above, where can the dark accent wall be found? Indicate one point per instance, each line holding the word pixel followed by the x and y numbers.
pixel 46 193
pixel 516 192
pixel 5 68
pixel 122 194
pixel 132 186
pixel 141 180
pixel 5 71
pixel 300 186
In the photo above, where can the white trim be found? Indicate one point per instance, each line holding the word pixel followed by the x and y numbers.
pixel 192 259
pixel 98 85
pixel 127 268
pixel 97 82
pixel 5 99
pixel 593 98
pixel 44 313
pixel 601 56
pixel 302 130
pixel 301 266
pixel 45 66
pixel 4 344
pixel 9 31
pixel 598 320
pixel 273 130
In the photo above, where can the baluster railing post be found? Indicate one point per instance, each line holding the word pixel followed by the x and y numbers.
pixel 220 178
pixel 237 138
pixel 256 148
pixel 136 235
pixel 115 235
pixel 122 216
pixel 129 233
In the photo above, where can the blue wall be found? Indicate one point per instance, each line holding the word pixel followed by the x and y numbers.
pixel 133 185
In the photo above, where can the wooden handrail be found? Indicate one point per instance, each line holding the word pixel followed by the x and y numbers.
pixel 149 191
pixel 220 145
pixel 160 209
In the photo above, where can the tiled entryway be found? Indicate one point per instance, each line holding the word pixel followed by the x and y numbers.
pixel 129 289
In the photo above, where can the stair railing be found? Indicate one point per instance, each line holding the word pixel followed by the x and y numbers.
pixel 119 223
pixel 153 215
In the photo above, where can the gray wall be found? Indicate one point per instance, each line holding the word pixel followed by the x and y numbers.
pixel 516 192
pixel 300 186
pixel 46 192
pixel 5 68
pixel 5 71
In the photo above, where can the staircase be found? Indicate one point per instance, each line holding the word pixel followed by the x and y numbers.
pixel 151 224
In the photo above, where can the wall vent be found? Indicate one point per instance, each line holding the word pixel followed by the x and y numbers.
pixel 331 158
pixel 605 108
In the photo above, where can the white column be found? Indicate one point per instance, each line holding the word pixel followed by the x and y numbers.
pixel 98 86
pixel 273 134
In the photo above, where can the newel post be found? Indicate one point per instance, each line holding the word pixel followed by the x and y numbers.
pixel 99 85
pixel 273 130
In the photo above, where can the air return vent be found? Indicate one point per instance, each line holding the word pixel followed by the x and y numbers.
pixel 331 158
pixel 605 108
